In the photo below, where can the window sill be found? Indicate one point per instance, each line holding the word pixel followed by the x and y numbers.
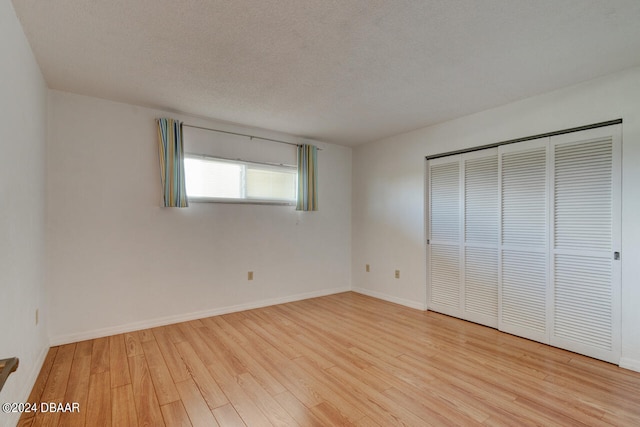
pixel 242 201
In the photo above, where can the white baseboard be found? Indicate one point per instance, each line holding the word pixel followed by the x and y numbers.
pixel 631 364
pixel 33 375
pixel 152 323
pixel 396 300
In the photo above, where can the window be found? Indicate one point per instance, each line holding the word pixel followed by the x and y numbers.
pixel 215 179
pixel 234 168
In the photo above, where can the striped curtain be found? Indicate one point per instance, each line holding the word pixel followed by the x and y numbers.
pixel 307 178
pixel 172 163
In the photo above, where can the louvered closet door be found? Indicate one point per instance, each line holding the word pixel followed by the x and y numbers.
pixel 585 230
pixel 523 278
pixel 444 267
pixel 481 212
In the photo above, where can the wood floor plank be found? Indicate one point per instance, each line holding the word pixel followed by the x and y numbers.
pixel 209 388
pixel 175 415
pixel 518 385
pixel 464 374
pixel 59 375
pixel 99 400
pixel 330 416
pixel 184 330
pixel 431 390
pixel 389 343
pixel 84 349
pixel 367 422
pixel 290 335
pixel 218 351
pixel 196 342
pixel 338 396
pixel 236 342
pixel 228 417
pixel 41 381
pixel 265 402
pixel 433 395
pixel 429 409
pixel 175 364
pixel 247 408
pixel 344 359
pixel 100 355
pixel 118 363
pixel 303 415
pixel 147 407
pixel 123 408
pixel 385 408
pixel 395 368
pixel 195 405
pixel 132 342
pixel 270 331
pixel 350 335
pixel 174 333
pixel 196 323
pixel 290 375
pixel 47 419
pixel 146 335
pixel 328 353
pixel 77 389
pixel 162 381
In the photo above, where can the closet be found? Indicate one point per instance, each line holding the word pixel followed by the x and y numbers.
pixel 525 237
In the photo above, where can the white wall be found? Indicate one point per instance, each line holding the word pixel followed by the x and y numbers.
pixel 118 261
pixel 22 140
pixel 388 188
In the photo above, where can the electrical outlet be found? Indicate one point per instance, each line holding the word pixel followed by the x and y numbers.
pixel 397 274
pixel 367 268
pixel 37 317
pixel 250 275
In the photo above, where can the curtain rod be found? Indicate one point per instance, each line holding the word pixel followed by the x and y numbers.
pixel 244 134
pixel 527 138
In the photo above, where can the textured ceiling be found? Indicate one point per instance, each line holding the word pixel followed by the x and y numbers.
pixel 344 71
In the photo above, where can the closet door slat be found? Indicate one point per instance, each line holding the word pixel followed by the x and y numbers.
pixel 445 202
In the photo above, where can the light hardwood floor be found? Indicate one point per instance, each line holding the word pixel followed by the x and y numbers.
pixel 344 359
